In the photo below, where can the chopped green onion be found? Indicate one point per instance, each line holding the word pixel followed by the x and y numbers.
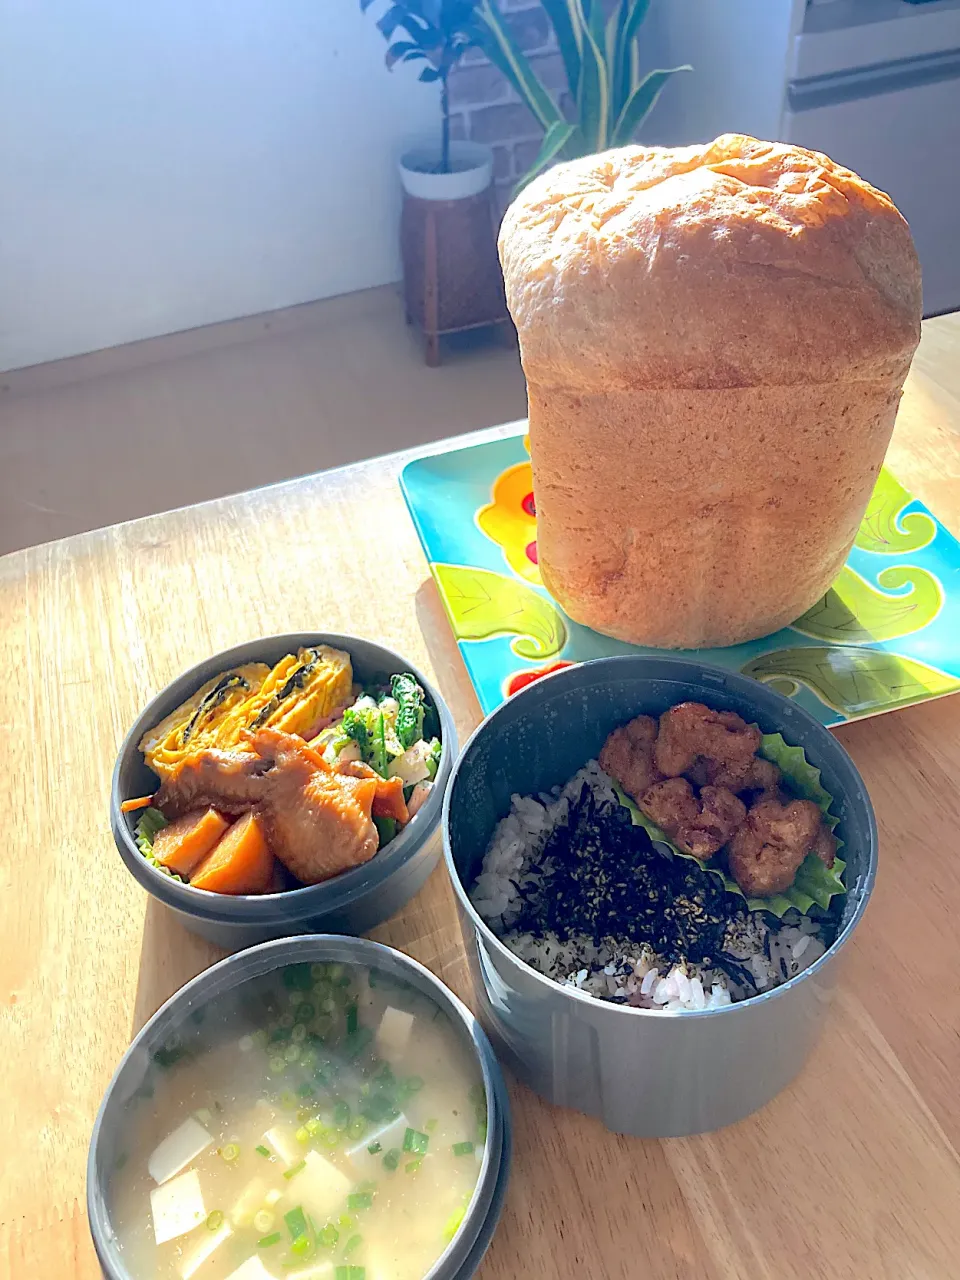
pixel 295 1169
pixel 263 1220
pixel 292 1052
pixel 392 1159
pixel 266 1241
pixel 367 1186
pixel 341 1115
pixel 413 1084
pixel 277 1066
pixel 215 1219
pixel 329 1236
pixel 304 1012
pixel 286 1020
pixel 331 1138
pixel 452 1225
pixel 230 1152
pixel 350 1273
pixel 353 1020
pixel 356 1127
pixel 288 1100
pixel 302 1134
pixel 359 1200
pixel 481 1133
pixel 353 1243
pixel 280 1035
pixel 298 1033
pixel 295 997
pixel 463 1148
pixel 313 1126
pixel 375 1148
pixel 296 1221
pixel 346 1221
pixel 261 1150
pixel 304 1114
pixel 416 1142
pixel 260 1037
pixel 301 1246
pixel 431 1125
pixel 318 971
pixel 413 1165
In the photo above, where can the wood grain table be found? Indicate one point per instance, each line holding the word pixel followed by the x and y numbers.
pixel 853 1172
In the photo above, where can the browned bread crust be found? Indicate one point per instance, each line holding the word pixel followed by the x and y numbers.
pixel 715 341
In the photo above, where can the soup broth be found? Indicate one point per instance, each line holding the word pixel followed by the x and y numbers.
pixel 325 1122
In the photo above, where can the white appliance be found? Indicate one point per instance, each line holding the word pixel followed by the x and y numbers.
pixel 876 85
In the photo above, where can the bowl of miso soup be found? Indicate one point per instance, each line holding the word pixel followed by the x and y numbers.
pixel 319 1108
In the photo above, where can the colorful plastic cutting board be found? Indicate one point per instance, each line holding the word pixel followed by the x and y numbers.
pixel 886 635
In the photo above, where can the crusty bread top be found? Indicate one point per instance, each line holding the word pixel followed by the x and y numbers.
pixel 739 263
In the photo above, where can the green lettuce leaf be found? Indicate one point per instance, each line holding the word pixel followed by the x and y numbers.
pixel 815 884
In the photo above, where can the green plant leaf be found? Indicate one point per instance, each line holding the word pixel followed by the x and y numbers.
pixel 629 16
pixel 884 530
pixel 554 141
pixel 593 96
pixel 504 52
pixel 564 19
pixel 854 612
pixel 640 103
pixel 854 682
pixel 482 604
pixel 815 883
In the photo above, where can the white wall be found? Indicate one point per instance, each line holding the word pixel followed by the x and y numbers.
pixel 171 163
pixel 738 50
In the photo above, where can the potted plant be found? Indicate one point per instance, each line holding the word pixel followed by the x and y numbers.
pixel 598 45
pixel 437 33
pixel 451 274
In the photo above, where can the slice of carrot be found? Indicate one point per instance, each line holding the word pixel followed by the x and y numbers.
pixel 186 842
pixel 141 802
pixel 240 863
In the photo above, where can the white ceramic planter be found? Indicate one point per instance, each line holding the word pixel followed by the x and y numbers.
pixel 471 163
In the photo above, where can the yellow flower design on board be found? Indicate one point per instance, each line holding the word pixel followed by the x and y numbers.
pixel 510 520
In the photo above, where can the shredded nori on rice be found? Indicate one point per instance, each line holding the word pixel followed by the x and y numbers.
pixel 603 877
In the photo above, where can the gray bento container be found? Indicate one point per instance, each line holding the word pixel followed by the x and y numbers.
pixel 463 1255
pixel 642 1072
pixel 353 902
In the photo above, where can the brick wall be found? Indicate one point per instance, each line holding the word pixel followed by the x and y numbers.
pixel 485 107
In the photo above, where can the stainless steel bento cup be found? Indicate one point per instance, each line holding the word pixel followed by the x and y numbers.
pixel 644 1072
pixel 464 1253
pixel 353 902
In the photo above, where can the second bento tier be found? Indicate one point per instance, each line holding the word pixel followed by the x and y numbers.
pixel 715 339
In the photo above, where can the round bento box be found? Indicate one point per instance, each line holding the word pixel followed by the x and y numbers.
pixel 643 1071
pixel 133 1080
pixel 352 902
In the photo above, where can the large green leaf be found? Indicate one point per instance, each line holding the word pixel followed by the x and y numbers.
pixel 564 18
pixel 554 141
pixel 641 102
pixel 854 682
pixel 629 16
pixel 815 883
pixel 504 52
pixel 854 612
pixel 883 529
pixel 593 98
pixel 482 604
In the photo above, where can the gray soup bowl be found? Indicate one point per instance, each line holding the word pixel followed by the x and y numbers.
pixel 353 902
pixel 642 1072
pixel 176 1020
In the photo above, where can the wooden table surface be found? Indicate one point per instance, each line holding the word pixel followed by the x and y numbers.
pixel 853 1172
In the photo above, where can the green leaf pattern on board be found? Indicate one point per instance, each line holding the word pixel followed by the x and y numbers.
pixel 482 604
pixel 814 883
pixel 884 530
pixel 855 612
pixel 854 682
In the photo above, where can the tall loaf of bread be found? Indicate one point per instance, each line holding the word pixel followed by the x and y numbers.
pixel 715 340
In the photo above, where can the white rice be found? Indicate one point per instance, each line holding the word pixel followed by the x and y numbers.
pixel 620 969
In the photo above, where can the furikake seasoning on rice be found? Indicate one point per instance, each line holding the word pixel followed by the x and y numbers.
pixel 627 888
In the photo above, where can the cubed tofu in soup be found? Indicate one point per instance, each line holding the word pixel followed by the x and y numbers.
pixel 343 1137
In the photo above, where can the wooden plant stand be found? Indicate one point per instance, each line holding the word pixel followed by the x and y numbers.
pixel 451 272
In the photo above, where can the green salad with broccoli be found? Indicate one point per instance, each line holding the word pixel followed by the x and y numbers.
pixel 392 729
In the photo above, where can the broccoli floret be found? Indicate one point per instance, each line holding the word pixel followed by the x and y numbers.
pixel 409 697
pixel 355 725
